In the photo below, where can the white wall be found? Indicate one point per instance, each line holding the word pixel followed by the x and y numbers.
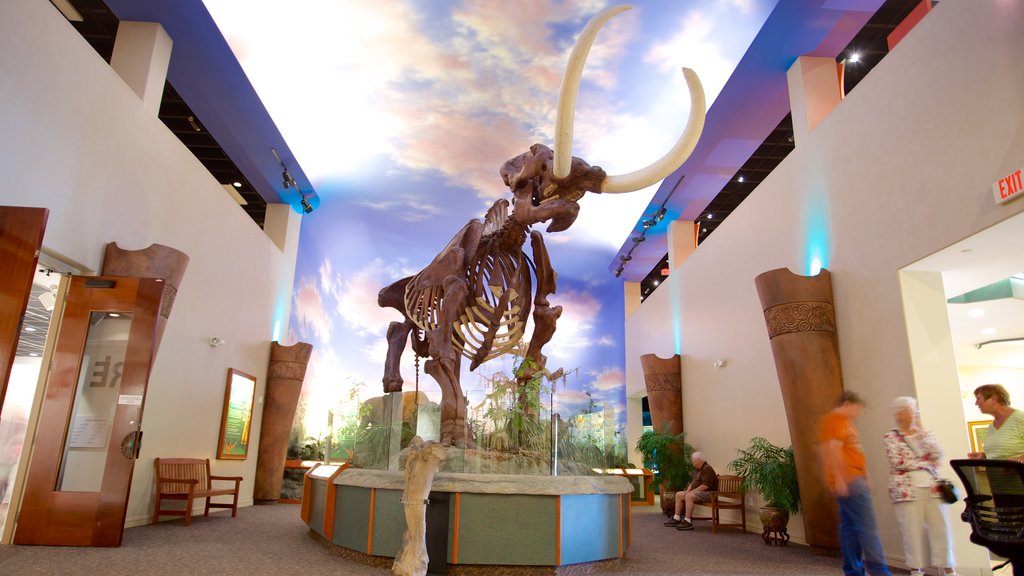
pixel 75 139
pixel 900 169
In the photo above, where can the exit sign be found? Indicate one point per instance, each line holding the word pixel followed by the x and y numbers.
pixel 1008 188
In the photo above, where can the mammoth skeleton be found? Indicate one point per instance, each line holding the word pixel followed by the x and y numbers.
pixel 474 298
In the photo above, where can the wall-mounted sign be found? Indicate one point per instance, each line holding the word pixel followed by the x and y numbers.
pixel 237 416
pixel 1009 188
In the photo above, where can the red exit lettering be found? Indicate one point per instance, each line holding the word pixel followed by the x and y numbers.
pixel 1010 185
pixel 1009 188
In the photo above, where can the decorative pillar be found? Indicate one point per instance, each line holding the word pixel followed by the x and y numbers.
pixel 663 379
pixel 815 89
pixel 141 56
pixel 801 324
pixel 285 372
pixel 156 261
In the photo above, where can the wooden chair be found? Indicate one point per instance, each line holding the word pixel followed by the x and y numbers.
pixel 728 497
pixel 187 479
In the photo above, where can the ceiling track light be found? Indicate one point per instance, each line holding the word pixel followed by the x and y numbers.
pixel 647 224
pixel 288 182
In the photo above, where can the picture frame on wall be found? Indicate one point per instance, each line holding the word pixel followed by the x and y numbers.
pixel 236 418
pixel 976 430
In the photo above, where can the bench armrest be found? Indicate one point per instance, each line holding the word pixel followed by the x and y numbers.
pixel 233 478
pixel 177 481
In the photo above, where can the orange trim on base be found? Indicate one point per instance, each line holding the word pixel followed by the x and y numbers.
pixel 332 495
pixel 558 532
pixel 369 531
pixel 307 491
pixel 455 530
pixel 629 527
pixel 620 525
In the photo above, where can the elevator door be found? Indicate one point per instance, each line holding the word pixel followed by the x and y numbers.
pixel 88 433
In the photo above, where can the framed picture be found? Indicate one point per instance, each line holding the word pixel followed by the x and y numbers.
pixel 237 416
pixel 976 432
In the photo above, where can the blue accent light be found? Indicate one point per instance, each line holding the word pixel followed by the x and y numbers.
pixel 817 236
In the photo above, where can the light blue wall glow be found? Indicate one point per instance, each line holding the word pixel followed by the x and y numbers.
pixel 817 249
pixel 280 315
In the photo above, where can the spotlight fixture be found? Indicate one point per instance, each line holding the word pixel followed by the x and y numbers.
pixel 854 58
pixel 639 239
pixel 289 182
pixel 661 214
pixel 49 299
pixel 306 207
pixel 618 272
pixel 650 223
pixel 710 216
pixel 625 258
pixel 236 184
pixel 740 179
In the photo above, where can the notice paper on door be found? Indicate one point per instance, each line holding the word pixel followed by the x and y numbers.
pixel 89 433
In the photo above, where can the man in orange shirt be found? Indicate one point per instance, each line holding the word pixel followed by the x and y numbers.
pixel 846 474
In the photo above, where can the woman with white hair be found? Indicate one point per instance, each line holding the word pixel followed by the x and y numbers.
pixel 913 456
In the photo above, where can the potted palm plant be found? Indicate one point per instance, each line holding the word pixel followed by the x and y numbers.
pixel 668 456
pixel 770 471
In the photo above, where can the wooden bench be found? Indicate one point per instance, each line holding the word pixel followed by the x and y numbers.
pixel 729 496
pixel 187 479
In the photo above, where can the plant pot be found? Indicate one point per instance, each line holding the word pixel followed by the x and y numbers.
pixel 668 501
pixel 774 520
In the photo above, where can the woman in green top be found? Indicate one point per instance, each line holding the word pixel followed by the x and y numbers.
pixel 1004 439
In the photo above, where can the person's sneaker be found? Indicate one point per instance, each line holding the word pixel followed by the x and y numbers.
pixel 684 525
pixel 672 523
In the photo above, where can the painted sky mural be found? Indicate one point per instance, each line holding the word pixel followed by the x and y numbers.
pixel 401 113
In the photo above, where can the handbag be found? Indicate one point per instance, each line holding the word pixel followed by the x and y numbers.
pixel 944 488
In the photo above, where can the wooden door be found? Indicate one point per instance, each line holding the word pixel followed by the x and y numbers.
pixel 88 434
pixel 21 236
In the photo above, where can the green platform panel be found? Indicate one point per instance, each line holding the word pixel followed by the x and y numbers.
pixel 317 503
pixel 388 522
pixel 517 529
pixel 590 527
pixel 352 517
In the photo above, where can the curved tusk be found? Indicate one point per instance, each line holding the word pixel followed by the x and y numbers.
pixel 571 87
pixel 676 156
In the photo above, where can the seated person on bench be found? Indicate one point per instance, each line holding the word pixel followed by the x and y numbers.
pixel 705 481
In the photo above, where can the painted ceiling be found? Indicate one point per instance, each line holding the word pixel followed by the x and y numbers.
pixel 400 114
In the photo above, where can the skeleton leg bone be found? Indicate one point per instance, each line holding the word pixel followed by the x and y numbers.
pixel 398 334
pixel 453 403
pixel 445 363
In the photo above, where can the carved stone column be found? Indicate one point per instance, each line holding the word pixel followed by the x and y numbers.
pixel 285 372
pixel 801 324
pixel 663 379
pixel 156 261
